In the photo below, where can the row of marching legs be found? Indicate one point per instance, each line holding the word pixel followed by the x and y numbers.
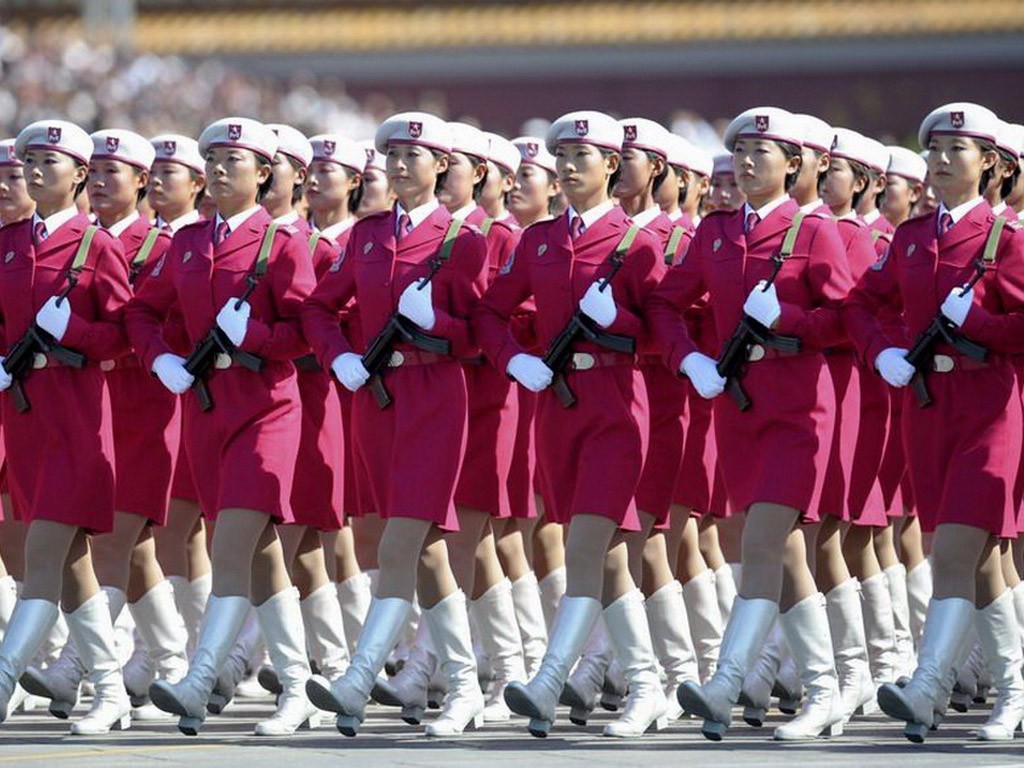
pixel 523 648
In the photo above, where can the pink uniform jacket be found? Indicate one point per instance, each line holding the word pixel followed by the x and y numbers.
pixel 493 405
pixel 962 451
pixel 408 455
pixel 60 454
pixel 146 417
pixel 590 456
pixel 777 451
pixel 666 398
pixel 242 452
pixel 320 468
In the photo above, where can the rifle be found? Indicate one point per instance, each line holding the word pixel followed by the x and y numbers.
pixel 377 357
pixel 941 329
pixel 560 352
pixel 216 342
pixel 36 341
pixel 749 331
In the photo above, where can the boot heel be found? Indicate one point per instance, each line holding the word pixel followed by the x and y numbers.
pixel 190 726
pixel 311 722
pixel 412 715
pixel 836 729
pixel 476 723
pixel 658 725
pixel 348 725
pixel 61 709
pixel 916 732
pixel 578 716
pixel 539 728
pixel 123 724
pixel 754 716
pixel 713 730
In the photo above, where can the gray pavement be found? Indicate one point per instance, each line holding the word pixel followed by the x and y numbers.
pixel 36 739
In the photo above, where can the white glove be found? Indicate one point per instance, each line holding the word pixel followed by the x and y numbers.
pixel 530 371
pixel 703 372
pixel 763 304
pixel 418 305
pixel 234 322
pixel 54 319
pixel 957 305
pixel 5 378
pixel 893 366
pixel 170 369
pixel 599 305
pixel 349 369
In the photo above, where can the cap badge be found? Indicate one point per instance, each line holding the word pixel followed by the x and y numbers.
pixel 716 245
pixel 113 143
pixel 956 119
pixel 234 131
pixel 329 147
pixel 630 132
pixel 582 127
pixel 369 154
pixel 53 134
pixel 415 129
pixel 532 149
pixel 835 143
pixel 170 147
pixel 761 123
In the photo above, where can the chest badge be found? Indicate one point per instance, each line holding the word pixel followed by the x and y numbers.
pixel 367 248
pixel 187 257
pixel 8 257
pixel 910 249
pixel 541 250
pixel 716 246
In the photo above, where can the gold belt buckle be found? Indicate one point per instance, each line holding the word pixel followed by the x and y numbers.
pixel 583 361
pixel 397 359
pixel 757 352
pixel 107 365
pixel 39 361
pixel 943 364
pixel 222 361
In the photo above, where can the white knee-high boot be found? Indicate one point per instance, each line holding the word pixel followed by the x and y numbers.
pixel 552 588
pixel 673 646
pixel 999 636
pixel 493 613
pixel 919 595
pixel 354 596
pixel 448 622
pixel 533 631
pixel 879 629
pixel 846 627
pixel 92 628
pixel 25 632
pixel 896 579
pixel 704 613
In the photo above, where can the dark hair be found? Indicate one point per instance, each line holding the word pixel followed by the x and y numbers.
pixel 821 174
pixel 1006 188
pixel 986 175
pixel 140 195
pixel 860 171
pixel 478 188
pixel 441 177
pixel 614 178
pixel 196 176
pixel 298 190
pixel 355 197
pixel 266 185
pixel 791 151
pixel 660 178
pixel 81 185
pixel 681 173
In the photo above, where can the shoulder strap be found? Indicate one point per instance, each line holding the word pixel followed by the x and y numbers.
pixel 789 241
pixel 445 251
pixel 486 224
pixel 314 241
pixel 673 245
pixel 992 244
pixel 83 249
pixel 259 268
pixel 875 234
pixel 627 241
pixel 147 247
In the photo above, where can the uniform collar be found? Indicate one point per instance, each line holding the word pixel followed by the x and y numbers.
pixel 871 216
pixel 238 219
pixel 812 206
pixel 419 214
pixel 55 221
pixel 118 227
pixel 289 218
pixel 591 217
pixel 765 210
pixel 183 221
pixel 464 211
pixel 644 218
pixel 961 210
pixel 1000 209
pixel 332 232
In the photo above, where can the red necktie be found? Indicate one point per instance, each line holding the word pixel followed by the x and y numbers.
pixel 945 223
pixel 752 219
pixel 223 230
pixel 576 227
pixel 404 227
pixel 40 232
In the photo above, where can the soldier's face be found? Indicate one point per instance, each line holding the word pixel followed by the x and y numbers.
pixel 532 193
pixel 377 194
pixel 52 176
pixel 583 170
pixel 233 174
pixel 329 185
pixel 113 187
pixel 840 185
pixel 761 166
pixel 286 178
pixel 463 175
pixel 15 204
pixel 725 193
pixel 637 172
pixel 955 166
pixel 497 184
pixel 900 196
